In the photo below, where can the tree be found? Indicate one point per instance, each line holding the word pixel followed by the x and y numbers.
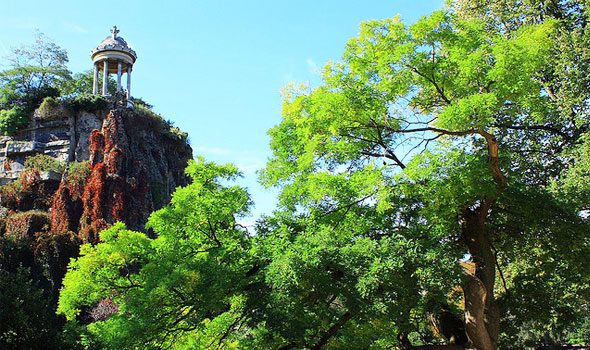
pixel 27 320
pixel 182 289
pixel 35 72
pixel 416 140
pixel 558 155
pixel 33 67
pixel 27 304
pixel 81 83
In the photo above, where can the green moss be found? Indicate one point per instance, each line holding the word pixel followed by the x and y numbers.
pixel 29 213
pixel 157 190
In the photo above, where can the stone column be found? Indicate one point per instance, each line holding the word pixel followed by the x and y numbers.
pixel 119 76
pixel 105 78
pixel 95 81
pixel 129 81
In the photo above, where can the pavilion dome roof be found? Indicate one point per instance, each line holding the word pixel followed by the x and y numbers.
pixel 114 43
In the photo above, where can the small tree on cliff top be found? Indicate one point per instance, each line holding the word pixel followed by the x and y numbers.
pixel 36 66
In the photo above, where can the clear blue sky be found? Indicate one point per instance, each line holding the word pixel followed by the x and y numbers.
pixel 215 68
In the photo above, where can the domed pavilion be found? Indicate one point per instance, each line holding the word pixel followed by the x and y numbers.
pixel 113 56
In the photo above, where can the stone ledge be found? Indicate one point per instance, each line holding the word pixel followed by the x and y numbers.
pixel 50 176
pixel 44 176
pixel 57 143
pixel 24 147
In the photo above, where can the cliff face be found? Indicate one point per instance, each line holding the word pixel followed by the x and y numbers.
pixel 123 163
pixel 135 145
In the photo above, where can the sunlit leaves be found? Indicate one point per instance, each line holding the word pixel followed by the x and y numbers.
pixel 179 289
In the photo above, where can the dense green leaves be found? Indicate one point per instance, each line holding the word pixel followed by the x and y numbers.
pixel 36 71
pixel 172 290
pixel 422 127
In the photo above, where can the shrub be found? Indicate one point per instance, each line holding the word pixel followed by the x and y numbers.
pixel 138 101
pixel 49 104
pixel 42 162
pixel 33 98
pixel 78 173
pixel 88 102
pixel 27 320
pixel 145 111
pixel 13 119
pixel 27 224
pixel 163 126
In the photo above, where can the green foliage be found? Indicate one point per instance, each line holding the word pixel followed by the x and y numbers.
pixel 163 126
pixel 82 84
pixel 192 271
pixel 26 321
pixel 435 157
pixel 140 102
pixel 88 102
pixel 404 131
pixel 43 162
pixel 157 190
pixel 35 72
pixel 78 172
pixel 35 66
pixel 13 119
pixel 49 104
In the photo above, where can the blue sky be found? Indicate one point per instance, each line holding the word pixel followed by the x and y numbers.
pixel 215 68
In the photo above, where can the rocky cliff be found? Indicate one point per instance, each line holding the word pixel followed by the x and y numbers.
pixel 76 170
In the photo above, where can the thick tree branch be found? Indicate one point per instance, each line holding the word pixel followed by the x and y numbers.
pixel 332 331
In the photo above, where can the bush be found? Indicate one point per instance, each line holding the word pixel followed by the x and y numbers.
pixel 27 320
pixel 164 127
pixel 140 102
pixel 49 104
pixel 17 107
pixel 14 119
pixel 78 173
pixel 88 102
pixel 42 162
pixel 35 96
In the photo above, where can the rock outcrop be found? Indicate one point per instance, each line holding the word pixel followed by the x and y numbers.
pixel 135 156
pixel 120 164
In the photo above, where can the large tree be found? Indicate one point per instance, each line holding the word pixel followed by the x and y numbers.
pixel 438 131
pixel 34 72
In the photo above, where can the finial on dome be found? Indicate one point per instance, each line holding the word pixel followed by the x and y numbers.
pixel 115 31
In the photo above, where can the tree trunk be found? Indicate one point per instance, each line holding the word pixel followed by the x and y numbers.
pixel 482 317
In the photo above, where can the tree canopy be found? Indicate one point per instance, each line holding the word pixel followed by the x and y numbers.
pixel 35 66
pixel 179 289
pixel 35 71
